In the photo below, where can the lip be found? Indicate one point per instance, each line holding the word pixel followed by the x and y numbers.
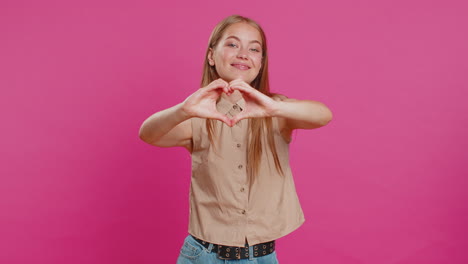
pixel 241 66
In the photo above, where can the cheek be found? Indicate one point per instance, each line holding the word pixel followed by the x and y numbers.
pixel 226 55
pixel 258 62
pixel 229 57
pixel 221 62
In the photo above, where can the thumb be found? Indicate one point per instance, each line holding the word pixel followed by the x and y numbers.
pixel 239 117
pixel 223 118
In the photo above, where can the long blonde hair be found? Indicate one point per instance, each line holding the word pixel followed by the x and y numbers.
pixel 261 83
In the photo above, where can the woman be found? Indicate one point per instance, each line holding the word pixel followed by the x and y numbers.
pixel 242 194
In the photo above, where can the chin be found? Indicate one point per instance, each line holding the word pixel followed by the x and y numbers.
pixel 233 77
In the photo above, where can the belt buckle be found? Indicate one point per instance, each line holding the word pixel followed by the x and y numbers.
pixel 230 253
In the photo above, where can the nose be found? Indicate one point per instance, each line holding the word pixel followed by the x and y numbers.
pixel 242 54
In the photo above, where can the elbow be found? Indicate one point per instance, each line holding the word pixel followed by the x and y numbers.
pixel 141 133
pixel 327 116
pixel 148 140
pixel 144 136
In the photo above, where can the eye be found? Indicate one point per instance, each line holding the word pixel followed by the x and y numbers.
pixel 256 50
pixel 232 45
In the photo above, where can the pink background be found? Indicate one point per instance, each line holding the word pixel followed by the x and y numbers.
pixel 384 182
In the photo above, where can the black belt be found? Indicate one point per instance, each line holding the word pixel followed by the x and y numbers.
pixel 227 252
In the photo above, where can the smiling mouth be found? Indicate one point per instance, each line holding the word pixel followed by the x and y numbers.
pixel 240 66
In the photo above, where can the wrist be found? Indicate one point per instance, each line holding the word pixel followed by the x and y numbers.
pixel 276 109
pixel 183 112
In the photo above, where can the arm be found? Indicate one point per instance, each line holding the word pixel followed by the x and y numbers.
pixel 292 113
pixel 168 128
pixel 301 114
pixel 172 127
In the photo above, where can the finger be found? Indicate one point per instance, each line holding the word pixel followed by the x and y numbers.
pixel 253 93
pixel 223 82
pixel 230 90
pixel 227 90
pixel 242 88
pixel 216 84
pixel 234 83
pixel 238 118
pixel 223 118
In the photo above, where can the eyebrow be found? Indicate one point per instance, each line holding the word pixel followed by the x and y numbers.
pixel 252 41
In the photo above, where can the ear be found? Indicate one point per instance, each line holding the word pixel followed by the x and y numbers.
pixel 210 57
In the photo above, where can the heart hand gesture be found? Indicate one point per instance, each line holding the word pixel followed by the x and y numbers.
pixel 257 103
pixel 202 103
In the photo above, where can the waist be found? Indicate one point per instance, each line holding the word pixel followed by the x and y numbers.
pixel 233 252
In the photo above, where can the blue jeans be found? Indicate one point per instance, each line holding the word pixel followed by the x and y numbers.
pixel 193 252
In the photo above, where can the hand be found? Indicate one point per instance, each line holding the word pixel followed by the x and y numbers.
pixel 202 103
pixel 257 104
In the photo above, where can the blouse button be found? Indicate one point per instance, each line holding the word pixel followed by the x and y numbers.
pixel 234 106
pixel 238 145
pixel 242 189
pixel 243 211
pixel 240 166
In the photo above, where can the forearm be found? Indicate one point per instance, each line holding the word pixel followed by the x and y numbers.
pixel 304 114
pixel 160 123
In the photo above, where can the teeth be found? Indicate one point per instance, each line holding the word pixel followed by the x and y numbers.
pixel 240 66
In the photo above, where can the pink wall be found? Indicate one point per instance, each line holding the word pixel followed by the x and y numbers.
pixel 383 183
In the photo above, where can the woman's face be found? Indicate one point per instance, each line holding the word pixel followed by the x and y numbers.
pixel 238 54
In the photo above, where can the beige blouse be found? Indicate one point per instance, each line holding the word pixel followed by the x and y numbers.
pixel 224 207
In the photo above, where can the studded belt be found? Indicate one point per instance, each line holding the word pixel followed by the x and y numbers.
pixel 227 252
